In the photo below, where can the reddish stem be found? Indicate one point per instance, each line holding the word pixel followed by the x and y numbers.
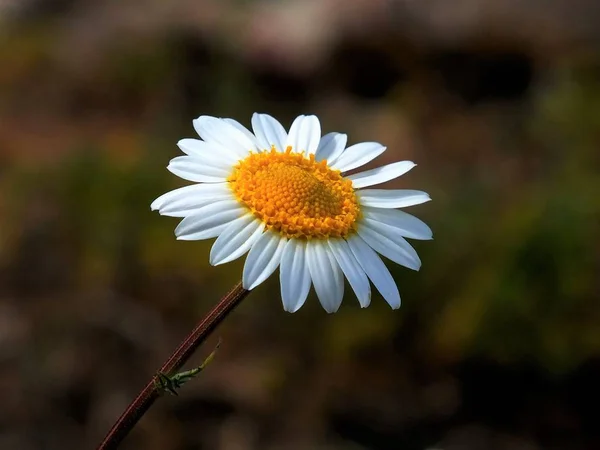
pixel 149 394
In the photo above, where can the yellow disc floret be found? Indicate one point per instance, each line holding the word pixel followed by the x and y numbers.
pixel 296 196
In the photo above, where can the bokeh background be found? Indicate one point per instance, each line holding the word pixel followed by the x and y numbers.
pixel 497 344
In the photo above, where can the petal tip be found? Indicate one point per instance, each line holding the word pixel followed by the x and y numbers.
pixel 293 309
pixel 416 266
pixel 251 286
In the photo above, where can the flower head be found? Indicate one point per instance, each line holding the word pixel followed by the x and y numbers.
pixel 283 198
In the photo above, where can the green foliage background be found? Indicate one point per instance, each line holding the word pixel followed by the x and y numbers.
pixel 496 344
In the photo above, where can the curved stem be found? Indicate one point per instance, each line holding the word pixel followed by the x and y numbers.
pixel 149 394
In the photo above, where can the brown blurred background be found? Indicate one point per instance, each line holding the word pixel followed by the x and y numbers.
pixel 497 344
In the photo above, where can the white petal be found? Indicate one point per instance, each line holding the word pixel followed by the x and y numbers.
pixel 268 132
pixel 380 174
pixel 212 129
pixel 330 147
pixel 326 275
pixel 305 134
pixel 294 275
pixel 391 198
pixel 387 241
pixel 187 200
pixel 236 239
pixel 263 259
pixel 191 169
pixel 358 155
pixel 210 154
pixel 356 275
pixel 375 270
pixel 242 128
pixel 187 191
pixel 209 220
pixel 213 151
pixel 407 224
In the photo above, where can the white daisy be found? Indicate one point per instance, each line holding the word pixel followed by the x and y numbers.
pixel 283 199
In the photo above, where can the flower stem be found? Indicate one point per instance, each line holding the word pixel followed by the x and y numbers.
pixel 150 393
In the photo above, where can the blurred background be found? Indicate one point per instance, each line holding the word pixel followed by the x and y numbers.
pixel 497 344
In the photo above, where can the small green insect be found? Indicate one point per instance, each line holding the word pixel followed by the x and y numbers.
pixel 170 384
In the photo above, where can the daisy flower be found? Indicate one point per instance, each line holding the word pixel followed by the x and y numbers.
pixel 284 199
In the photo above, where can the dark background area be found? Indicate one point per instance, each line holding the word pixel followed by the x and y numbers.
pixel 497 344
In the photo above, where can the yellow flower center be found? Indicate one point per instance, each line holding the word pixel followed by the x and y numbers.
pixel 296 196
